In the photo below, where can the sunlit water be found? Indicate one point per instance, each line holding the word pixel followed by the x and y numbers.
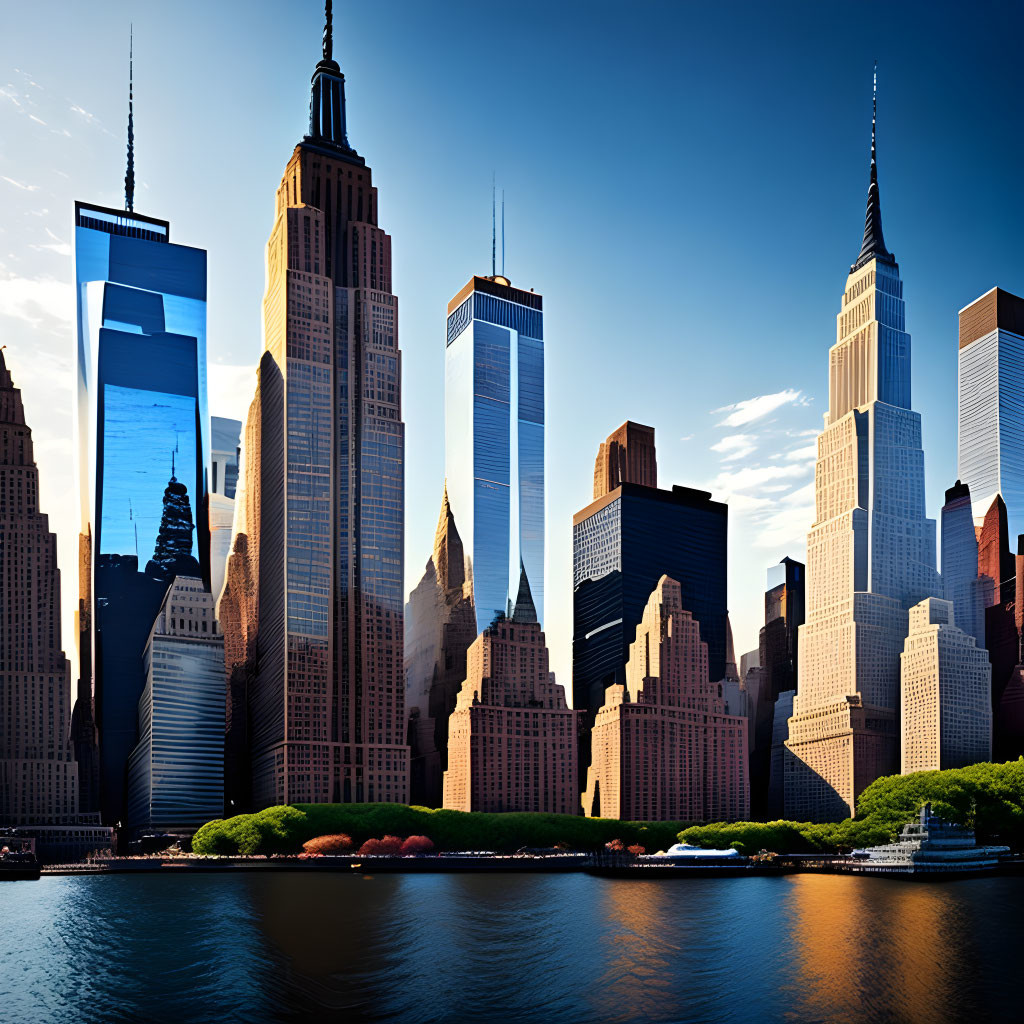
pixel 559 948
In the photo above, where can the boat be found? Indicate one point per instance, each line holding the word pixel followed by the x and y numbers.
pixel 684 853
pixel 930 847
pixel 18 865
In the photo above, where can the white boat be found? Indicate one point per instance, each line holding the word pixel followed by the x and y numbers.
pixel 684 852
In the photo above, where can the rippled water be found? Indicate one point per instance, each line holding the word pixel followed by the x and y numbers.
pixel 565 948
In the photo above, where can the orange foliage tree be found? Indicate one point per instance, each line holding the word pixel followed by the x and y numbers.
pixel 329 845
pixel 417 844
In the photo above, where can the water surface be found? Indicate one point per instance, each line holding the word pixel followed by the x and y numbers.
pixel 565 948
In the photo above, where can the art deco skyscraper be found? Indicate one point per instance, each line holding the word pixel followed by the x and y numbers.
pixel 628 456
pixel 512 736
pixel 871 550
pixel 325 705
pixel 494 438
pixel 38 775
pixel 664 746
pixel 142 446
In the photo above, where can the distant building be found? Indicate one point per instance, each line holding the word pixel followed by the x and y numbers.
pixel 494 438
pixel 512 737
pixel 664 747
pixel 38 772
pixel 990 386
pixel 627 456
pixel 623 543
pixel 945 710
pixel 871 549
pixel 970 593
pixel 225 435
pixel 782 711
pixel 440 626
pixel 176 771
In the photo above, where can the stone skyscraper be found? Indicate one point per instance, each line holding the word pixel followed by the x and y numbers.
pixel 512 736
pixel 440 626
pixel 970 592
pixel 494 438
pixel 664 746
pixel 38 775
pixel 871 550
pixel 628 456
pixel 325 442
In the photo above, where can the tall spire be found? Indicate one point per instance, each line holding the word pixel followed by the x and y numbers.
pixel 129 178
pixel 873 246
pixel 327 101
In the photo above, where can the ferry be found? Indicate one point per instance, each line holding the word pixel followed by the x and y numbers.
pixel 930 847
pixel 18 865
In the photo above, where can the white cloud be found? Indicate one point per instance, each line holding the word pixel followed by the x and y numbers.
pixel 34 300
pixel 19 184
pixel 8 93
pixel 687 437
pixel 753 478
pixel 230 389
pixel 39 120
pixel 809 453
pixel 58 245
pixel 735 446
pixel 751 409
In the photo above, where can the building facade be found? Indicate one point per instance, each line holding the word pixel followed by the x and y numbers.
pixel 627 456
pixel 990 389
pixel 440 626
pixel 176 771
pixel 325 708
pixel 512 737
pixel 664 746
pixel 945 693
pixel 38 772
pixel 970 592
pixel 494 438
pixel 870 552
pixel 142 447
pixel 225 436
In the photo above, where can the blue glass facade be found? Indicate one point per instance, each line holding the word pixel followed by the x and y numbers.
pixel 494 439
pixel 142 446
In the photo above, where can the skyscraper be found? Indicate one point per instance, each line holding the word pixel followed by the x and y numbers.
pixel 945 693
pixel 38 774
pixel 871 550
pixel 623 543
pixel 512 736
pixel 142 446
pixel 176 771
pixel 627 456
pixel 664 746
pixel 440 626
pixel 325 442
pixel 990 387
pixel 494 438
pixel 970 593
pixel 224 469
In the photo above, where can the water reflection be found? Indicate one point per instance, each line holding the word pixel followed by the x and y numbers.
pixel 572 949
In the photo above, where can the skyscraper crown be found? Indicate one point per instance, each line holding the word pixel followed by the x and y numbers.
pixel 873 246
pixel 327 125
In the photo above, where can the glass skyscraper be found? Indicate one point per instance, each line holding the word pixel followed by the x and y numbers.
pixel 142 453
pixel 990 387
pixel 494 439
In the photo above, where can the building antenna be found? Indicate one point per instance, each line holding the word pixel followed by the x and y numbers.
pixel 493 235
pixel 502 232
pixel 129 178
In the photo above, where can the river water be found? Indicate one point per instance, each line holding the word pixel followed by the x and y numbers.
pixel 550 948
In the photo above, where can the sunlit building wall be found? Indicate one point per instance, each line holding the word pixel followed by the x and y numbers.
pixel 142 446
pixel 223 482
pixel 176 771
pixel 494 438
pixel 990 389
pixel 945 693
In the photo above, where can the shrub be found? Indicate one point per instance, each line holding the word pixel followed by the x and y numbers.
pixel 389 846
pixel 330 845
pixel 615 846
pixel 417 844
pixel 636 849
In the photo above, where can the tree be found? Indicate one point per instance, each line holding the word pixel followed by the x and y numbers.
pixel 417 844
pixel 615 846
pixel 389 846
pixel 636 849
pixel 328 845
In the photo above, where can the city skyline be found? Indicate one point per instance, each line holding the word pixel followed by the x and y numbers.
pixel 584 405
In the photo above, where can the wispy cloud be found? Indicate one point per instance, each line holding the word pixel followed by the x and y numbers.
pixel 20 184
pixel 735 446
pixel 234 386
pixel 808 453
pixel 686 437
pixel 745 479
pixel 752 409
pixel 57 245
pixel 36 300
pixel 8 92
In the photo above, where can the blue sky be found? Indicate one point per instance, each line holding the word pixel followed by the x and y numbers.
pixel 685 184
